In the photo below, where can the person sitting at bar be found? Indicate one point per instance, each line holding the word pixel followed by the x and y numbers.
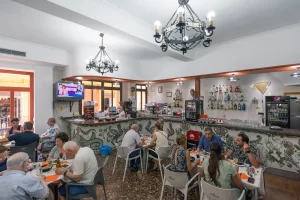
pixel 83 169
pixel 218 172
pixel 15 128
pixel 50 134
pixel 57 151
pixel 159 139
pixel 25 138
pixel 122 114
pixel 17 185
pixel 208 138
pixel 3 159
pixel 133 140
pixel 181 159
pixel 243 151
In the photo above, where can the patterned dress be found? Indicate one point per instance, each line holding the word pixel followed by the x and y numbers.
pixel 180 166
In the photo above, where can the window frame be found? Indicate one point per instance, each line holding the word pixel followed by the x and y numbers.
pixel 141 90
pixel 101 88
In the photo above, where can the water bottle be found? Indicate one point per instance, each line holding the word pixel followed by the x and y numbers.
pixel 40 159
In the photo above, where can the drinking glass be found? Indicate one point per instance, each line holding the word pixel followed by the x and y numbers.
pixel 235 160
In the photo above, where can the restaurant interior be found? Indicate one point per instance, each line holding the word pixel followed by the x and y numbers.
pixel 193 67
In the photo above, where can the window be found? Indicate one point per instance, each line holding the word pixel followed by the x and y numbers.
pixel 141 96
pixel 103 93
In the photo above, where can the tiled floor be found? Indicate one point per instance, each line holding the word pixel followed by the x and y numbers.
pixel 148 186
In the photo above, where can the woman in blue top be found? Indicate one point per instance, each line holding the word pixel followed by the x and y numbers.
pixel 15 128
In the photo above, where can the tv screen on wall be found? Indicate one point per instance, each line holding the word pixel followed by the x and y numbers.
pixel 69 91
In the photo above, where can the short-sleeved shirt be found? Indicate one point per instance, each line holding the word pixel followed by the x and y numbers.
pixel 181 165
pixel 85 164
pixel 131 139
pixel 54 153
pixel 239 153
pixel 3 165
pixel 226 173
pixel 12 129
pixel 204 143
pixel 19 186
pixel 24 138
pixel 51 132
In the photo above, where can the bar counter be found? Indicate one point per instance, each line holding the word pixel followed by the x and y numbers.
pixel 279 149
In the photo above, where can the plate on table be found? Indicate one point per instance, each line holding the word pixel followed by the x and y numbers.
pixel 47 168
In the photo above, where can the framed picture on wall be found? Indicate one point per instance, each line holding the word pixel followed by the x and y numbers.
pixel 169 94
pixel 160 89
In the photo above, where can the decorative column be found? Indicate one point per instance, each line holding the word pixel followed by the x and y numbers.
pixel 197 87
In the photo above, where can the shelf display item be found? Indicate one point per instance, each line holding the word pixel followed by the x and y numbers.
pixel 278 111
pixel 230 88
pixel 235 107
pixel 237 89
pixel 218 105
pixel 193 109
pixel 228 97
pixel 244 107
pixel 222 107
pixel 239 106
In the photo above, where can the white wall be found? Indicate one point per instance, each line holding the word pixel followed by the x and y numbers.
pixel 154 96
pixel 276 88
pixel 43 91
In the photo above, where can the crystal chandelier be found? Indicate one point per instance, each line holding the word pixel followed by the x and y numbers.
pixel 104 64
pixel 185 30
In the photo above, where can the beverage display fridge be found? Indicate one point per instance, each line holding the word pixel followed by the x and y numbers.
pixel 193 110
pixel 278 111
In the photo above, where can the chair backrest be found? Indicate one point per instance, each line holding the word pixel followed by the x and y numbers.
pixel 122 151
pixel 215 193
pixel 164 152
pixel 30 149
pixel 99 177
pixel 176 179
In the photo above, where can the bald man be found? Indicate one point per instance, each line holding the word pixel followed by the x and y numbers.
pixel 132 140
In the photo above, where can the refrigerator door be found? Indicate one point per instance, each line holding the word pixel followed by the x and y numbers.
pixel 295 108
pixel 295 122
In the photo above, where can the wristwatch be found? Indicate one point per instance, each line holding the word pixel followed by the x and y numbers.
pixel 248 152
pixel 65 172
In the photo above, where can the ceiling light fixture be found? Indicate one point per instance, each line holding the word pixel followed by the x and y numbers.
pixel 148 85
pixel 233 78
pixel 185 30
pixel 296 73
pixel 104 64
pixel 116 83
pixel 179 82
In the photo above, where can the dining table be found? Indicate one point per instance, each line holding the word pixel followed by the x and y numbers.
pixel 258 186
pixel 146 142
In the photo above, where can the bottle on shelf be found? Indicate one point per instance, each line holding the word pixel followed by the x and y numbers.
pixel 230 88
pixel 235 107
pixel 228 106
pixel 239 106
pixel 244 107
pixel 218 105
pixel 222 106
pixel 228 97
pixel 226 88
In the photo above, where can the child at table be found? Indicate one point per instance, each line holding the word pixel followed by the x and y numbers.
pixel 219 172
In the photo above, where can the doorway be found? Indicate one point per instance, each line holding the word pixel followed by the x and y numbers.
pixel 16 97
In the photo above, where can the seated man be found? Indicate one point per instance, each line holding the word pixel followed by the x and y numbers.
pixel 25 138
pixel 17 184
pixel 83 169
pixel 3 159
pixel 132 140
pixel 243 151
pixel 207 139
pixel 53 130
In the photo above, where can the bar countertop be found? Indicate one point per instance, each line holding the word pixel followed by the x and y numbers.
pixel 265 130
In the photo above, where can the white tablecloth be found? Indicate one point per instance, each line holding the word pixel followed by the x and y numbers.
pixel 50 173
pixel 258 184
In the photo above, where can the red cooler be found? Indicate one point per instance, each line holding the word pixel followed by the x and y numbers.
pixel 193 138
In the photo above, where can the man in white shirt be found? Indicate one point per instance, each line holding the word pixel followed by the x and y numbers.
pixel 132 140
pixel 83 169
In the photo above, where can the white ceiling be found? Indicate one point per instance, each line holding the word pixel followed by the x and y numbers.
pixel 234 18
pixel 24 23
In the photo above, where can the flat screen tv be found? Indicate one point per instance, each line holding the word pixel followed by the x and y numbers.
pixel 68 91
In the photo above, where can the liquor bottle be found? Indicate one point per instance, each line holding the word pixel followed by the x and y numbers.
pixel 239 106
pixel 218 106
pixel 222 106
pixel 235 107
pixel 226 88
pixel 230 88
pixel 228 106
pixel 211 105
pixel 228 97
pixel 244 107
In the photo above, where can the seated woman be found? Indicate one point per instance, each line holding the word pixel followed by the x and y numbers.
pixel 219 172
pixel 159 139
pixel 57 151
pixel 15 128
pixel 181 161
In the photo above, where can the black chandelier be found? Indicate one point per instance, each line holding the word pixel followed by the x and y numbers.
pixel 184 30
pixel 104 64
